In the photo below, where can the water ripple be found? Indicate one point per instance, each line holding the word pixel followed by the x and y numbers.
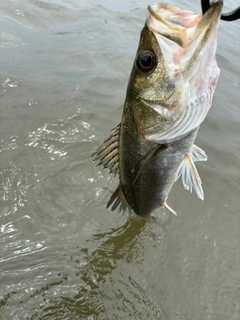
pixel 55 138
pixel 9 144
pixel 13 187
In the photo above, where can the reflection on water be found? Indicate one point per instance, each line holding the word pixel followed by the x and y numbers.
pixel 95 294
pixel 64 71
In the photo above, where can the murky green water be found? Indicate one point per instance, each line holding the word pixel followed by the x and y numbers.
pixel 64 67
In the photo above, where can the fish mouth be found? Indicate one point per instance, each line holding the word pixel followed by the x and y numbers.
pixel 159 107
pixel 182 26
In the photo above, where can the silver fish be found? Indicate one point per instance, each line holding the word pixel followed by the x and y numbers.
pixel 169 94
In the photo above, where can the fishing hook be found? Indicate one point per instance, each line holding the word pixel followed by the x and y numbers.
pixel 230 16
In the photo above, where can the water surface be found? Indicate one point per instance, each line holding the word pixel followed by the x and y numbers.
pixel 64 67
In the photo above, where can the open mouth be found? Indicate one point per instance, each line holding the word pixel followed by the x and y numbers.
pixel 172 16
pixel 182 26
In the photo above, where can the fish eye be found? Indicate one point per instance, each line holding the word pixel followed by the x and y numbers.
pixel 146 61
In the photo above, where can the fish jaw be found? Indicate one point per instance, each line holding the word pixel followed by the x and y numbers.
pixel 187 41
pixel 187 33
pixel 186 72
pixel 188 44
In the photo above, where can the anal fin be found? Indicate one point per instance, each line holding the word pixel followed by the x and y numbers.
pixel 118 199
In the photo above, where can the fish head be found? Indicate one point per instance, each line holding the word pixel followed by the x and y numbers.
pixel 175 64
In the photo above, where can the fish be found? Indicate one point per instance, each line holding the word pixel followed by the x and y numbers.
pixel 169 94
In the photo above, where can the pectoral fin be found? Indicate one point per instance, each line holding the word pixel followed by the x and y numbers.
pixel 198 154
pixel 107 153
pixel 190 176
pixel 154 153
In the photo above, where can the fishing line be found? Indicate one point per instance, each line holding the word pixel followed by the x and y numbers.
pixel 230 16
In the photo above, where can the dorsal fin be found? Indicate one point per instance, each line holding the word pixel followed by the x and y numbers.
pixel 118 199
pixel 107 153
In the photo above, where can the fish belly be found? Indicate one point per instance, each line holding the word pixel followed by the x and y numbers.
pixel 146 186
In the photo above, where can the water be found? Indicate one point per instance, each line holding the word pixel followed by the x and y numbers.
pixel 64 67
